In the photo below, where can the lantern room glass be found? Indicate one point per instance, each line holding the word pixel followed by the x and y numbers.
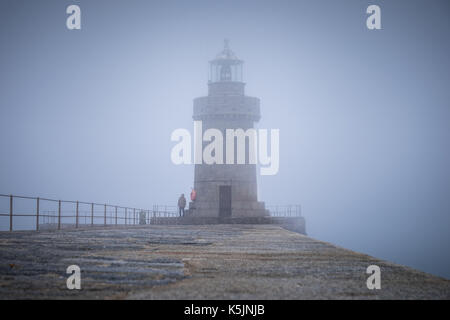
pixel 225 71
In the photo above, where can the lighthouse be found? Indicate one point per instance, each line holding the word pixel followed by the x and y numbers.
pixel 227 190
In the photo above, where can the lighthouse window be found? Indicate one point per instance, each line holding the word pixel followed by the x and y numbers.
pixel 225 73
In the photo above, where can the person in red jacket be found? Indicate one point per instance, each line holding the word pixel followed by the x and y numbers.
pixel 193 194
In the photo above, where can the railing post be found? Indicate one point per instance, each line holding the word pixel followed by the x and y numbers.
pixel 11 213
pixel 134 216
pixel 76 223
pixel 116 215
pixel 126 210
pixel 92 214
pixel 37 214
pixel 59 214
pixel 105 214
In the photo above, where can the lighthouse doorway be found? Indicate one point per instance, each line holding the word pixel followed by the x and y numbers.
pixel 224 201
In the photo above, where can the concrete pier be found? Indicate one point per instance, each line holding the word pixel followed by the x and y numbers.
pixel 198 262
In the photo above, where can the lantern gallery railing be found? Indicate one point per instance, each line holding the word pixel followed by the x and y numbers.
pixel 34 213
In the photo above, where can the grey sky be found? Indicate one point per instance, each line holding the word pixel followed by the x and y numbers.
pixel 363 115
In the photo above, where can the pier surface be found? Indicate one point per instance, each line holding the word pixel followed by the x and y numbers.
pixel 198 262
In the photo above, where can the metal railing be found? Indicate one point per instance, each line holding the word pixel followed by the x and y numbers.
pixel 166 211
pixel 34 213
pixel 285 210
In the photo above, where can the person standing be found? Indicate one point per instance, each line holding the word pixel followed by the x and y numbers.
pixel 181 204
pixel 193 195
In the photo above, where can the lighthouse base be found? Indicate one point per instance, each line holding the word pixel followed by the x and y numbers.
pixel 296 224
pixel 240 209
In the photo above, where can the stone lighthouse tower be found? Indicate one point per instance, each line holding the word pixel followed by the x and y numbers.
pixel 227 190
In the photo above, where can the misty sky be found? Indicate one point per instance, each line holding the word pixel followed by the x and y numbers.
pixel 363 115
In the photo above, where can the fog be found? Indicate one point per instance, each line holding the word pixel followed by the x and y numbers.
pixel 363 114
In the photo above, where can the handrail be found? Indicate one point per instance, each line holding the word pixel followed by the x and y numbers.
pixel 100 214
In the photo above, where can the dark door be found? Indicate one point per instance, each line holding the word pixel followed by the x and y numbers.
pixel 224 201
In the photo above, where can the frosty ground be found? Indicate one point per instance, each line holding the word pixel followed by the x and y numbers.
pixel 198 262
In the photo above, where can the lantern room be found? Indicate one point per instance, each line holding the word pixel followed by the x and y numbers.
pixel 226 67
